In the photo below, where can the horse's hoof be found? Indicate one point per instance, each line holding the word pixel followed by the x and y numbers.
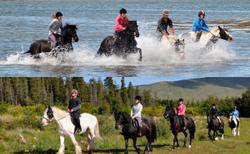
pixel 189 146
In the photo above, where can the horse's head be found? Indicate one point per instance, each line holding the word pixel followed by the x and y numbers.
pixel 69 34
pixel 169 112
pixel 133 27
pixel 121 118
pixel 179 44
pixel 224 34
pixel 47 116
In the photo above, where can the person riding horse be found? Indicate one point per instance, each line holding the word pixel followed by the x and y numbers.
pixel 74 110
pixel 199 25
pixel 54 26
pixel 235 113
pixel 136 113
pixel 121 24
pixel 180 111
pixel 214 114
pixel 164 23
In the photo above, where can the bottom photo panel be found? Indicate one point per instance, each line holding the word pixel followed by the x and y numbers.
pixel 124 115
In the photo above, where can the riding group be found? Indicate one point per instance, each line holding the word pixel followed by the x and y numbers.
pixel 123 42
pixel 132 125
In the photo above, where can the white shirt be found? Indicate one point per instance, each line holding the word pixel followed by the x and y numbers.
pixel 136 110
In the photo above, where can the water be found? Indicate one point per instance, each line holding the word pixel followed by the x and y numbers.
pixel 22 22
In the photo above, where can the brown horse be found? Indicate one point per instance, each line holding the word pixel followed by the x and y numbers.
pixel 129 130
pixel 215 126
pixel 68 35
pixel 175 126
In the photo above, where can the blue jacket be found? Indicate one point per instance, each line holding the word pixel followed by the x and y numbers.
pixel 199 24
pixel 235 113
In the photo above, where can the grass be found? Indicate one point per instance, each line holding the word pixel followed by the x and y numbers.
pixel 46 139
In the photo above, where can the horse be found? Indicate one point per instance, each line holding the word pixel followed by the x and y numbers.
pixel 174 42
pixel 129 130
pixel 234 124
pixel 69 35
pixel 175 126
pixel 124 45
pixel 88 122
pixel 214 125
pixel 208 39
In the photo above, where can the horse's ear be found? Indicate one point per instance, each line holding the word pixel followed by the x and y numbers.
pixel 219 28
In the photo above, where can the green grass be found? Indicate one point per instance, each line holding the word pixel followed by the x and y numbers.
pixel 46 139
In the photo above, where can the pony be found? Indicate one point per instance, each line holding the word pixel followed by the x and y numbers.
pixel 69 34
pixel 129 130
pixel 234 124
pixel 124 46
pixel 208 39
pixel 88 122
pixel 215 126
pixel 175 126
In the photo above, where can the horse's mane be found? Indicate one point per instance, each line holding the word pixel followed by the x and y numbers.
pixel 60 112
pixel 70 26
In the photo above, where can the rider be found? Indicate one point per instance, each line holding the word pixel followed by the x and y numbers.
pixel 54 26
pixel 235 113
pixel 180 111
pixel 164 24
pixel 199 25
pixel 214 113
pixel 136 112
pixel 121 24
pixel 74 110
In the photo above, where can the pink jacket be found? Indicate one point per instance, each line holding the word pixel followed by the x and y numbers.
pixel 121 23
pixel 181 109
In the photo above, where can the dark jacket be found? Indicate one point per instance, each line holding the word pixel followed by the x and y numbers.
pixel 214 112
pixel 162 25
pixel 75 104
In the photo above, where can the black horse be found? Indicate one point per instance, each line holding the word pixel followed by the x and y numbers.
pixel 129 130
pixel 68 35
pixel 125 45
pixel 215 126
pixel 175 126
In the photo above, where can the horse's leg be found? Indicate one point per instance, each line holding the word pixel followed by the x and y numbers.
pixel 62 146
pixel 77 147
pixel 185 137
pixel 126 145
pixel 238 129
pixel 209 134
pixel 148 145
pixel 215 135
pixel 140 54
pixel 90 143
pixel 134 144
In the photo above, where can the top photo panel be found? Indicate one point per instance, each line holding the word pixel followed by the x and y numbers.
pixel 143 39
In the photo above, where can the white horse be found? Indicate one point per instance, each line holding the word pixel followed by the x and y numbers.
pixel 88 122
pixel 234 124
pixel 208 39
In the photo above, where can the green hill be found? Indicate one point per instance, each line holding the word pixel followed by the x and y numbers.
pixel 199 89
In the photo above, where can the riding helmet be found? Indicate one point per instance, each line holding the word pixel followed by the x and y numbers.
pixel 138 98
pixel 165 12
pixel 123 11
pixel 59 14
pixel 202 12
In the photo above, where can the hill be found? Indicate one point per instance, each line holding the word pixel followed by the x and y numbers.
pixel 199 89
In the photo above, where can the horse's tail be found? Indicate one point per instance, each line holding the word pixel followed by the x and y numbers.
pixel 96 130
pixel 153 131
pixel 27 52
pixel 192 130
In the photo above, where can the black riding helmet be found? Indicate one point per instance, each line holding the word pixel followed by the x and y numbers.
pixel 123 11
pixel 202 12
pixel 59 14
pixel 138 98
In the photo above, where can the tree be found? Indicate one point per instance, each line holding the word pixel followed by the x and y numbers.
pixel 123 91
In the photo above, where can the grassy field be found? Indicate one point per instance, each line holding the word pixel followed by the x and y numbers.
pixel 21 132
